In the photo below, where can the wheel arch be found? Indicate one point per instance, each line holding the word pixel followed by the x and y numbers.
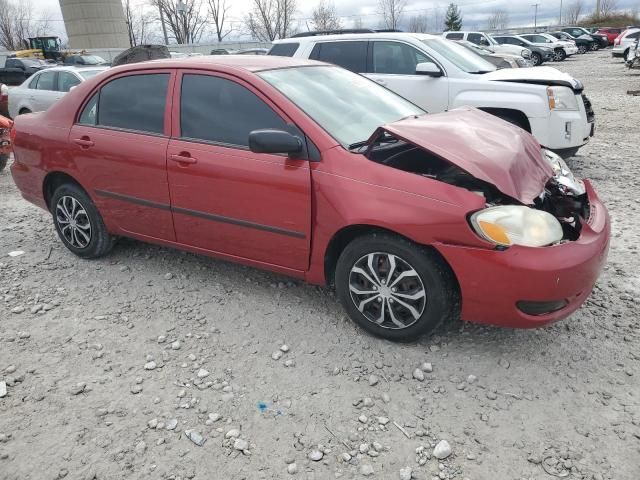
pixel 517 115
pixel 53 180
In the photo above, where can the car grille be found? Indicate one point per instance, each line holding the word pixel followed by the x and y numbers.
pixel 588 108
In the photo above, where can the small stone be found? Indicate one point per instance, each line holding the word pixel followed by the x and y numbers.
pixel 240 444
pixel 162 339
pixel 363 418
pixel 141 447
pixel 316 455
pixel 426 367
pixel 195 437
pixel 172 424
pixel 373 380
pixel 214 417
pixel 233 433
pixel 366 470
pixel 168 276
pixel 17 310
pixel 442 450
pixel 3 389
pixel 152 423
pixel 503 362
pixel 346 457
pixel 284 348
pixel 135 389
pixel 471 379
pixel 276 355
pixel 405 473
pixel 418 375
pixel 290 362
pixel 175 345
pixel 491 395
pixel 10 369
pixel 202 373
pixel 292 469
pixel 383 420
pixel 150 365
pixel 367 402
pixel 78 388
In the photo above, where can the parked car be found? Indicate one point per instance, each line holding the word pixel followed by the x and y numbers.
pixel 17 70
pixel 438 75
pixel 323 175
pixel 4 100
pixel 484 40
pixel 44 88
pixel 633 56
pixel 601 41
pixel 251 51
pixel 141 53
pixel 561 48
pixel 539 55
pixel 503 60
pixel 622 45
pixel 610 32
pixel 85 60
pixel 584 44
pixel 219 51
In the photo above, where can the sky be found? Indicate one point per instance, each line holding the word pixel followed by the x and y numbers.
pixel 475 12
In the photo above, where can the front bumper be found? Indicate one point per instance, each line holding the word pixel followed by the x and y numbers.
pixel 492 282
pixel 565 129
pixel 571 50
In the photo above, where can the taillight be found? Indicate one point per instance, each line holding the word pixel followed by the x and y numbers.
pixel 4 92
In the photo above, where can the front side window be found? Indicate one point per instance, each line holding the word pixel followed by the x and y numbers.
pixel 396 58
pixel 456 36
pixel 284 49
pixel 349 55
pixel 67 80
pixel 46 81
pixel 477 38
pixel 218 110
pixel 135 102
pixel 347 106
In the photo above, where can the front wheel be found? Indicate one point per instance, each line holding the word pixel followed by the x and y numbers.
pixel 559 55
pixel 395 289
pixel 78 222
pixel 4 158
pixel 536 59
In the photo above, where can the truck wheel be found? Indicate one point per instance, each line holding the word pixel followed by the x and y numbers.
pixel 4 158
pixel 78 222
pixel 536 59
pixel 394 288
pixel 582 49
pixel 559 55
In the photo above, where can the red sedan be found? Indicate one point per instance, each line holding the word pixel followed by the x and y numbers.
pixel 312 171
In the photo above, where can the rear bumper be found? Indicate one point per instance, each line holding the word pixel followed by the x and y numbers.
pixel 618 50
pixel 492 282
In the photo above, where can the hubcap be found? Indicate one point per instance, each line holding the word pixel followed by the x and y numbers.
pixel 73 222
pixel 387 290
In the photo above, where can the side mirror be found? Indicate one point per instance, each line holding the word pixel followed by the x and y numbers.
pixel 428 68
pixel 274 141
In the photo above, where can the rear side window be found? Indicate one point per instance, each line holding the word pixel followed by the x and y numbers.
pixel 136 102
pixel 67 80
pixel 475 38
pixel 349 55
pixel 457 36
pixel 284 49
pixel 634 35
pixel 218 110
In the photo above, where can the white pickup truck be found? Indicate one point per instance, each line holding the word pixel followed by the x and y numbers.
pixel 439 75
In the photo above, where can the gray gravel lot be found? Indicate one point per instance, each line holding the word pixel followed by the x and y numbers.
pixel 123 367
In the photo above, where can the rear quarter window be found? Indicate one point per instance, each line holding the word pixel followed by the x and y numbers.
pixel 284 49
pixel 349 55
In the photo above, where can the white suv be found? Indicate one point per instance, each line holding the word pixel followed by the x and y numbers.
pixel 561 48
pixel 439 75
pixel 623 43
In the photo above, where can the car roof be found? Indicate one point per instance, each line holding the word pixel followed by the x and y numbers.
pixel 357 36
pixel 74 68
pixel 251 63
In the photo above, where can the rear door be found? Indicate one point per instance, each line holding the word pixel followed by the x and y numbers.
pixel 225 198
pixel 45 92
pixel 119 145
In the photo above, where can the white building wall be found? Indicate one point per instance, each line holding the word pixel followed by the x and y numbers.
pixel 95 23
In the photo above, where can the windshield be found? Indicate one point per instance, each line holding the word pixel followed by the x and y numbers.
pixel 86 74
pixel 462 58
pixel 92 59
pixel 348 106
pixel 492 40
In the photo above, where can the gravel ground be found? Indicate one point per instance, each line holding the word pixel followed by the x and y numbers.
pixel 123 367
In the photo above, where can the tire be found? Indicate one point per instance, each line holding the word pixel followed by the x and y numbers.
pixel 3 161
pixel 439 301
pixel 595 47
pixel 536 59
pixel 582 49
pixel 625 55
pixel 559 55
pixel 89 238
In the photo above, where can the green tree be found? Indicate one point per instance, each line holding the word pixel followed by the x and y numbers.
pixel 453 18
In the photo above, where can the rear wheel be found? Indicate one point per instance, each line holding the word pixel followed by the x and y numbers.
pixel 595 46
pixel 4 158
pixel 395 289
pixel 536 59
pixel 78 222
pixel 559 55
pixel 582 49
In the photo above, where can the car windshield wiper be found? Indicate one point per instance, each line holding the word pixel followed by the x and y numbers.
pixel 357 144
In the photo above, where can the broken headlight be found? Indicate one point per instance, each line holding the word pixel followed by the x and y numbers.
pixel 517 225
pixel 563 175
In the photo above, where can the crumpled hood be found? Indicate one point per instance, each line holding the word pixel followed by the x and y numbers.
pixel 484 146
pixel 541 75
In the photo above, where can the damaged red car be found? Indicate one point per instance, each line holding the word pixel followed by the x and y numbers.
pixel 312 171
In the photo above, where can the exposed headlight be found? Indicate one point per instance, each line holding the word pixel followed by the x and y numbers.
pixel 525 53
pixel 561 98
pixel 523 62
pixel 563 175
pixel 517 225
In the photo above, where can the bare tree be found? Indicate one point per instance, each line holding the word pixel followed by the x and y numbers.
pixel 419 24
pixel 17 24
pixel 269 20
pixel 139 24
pixel 607 8
pixel 186 19
pixel 325 17
pixel 573 12
pixel 391 11
pixel 498 20
pixel 218 10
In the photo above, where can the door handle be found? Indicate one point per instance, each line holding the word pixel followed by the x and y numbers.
pixel 84 142
pixel 183 157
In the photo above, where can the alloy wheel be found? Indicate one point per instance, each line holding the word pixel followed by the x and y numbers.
pixel 582 49
pixel 387 290
pixel 73 222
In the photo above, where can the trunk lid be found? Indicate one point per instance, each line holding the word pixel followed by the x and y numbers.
pixel 484 146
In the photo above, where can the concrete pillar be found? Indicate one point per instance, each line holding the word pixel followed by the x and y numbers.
pixel 95 23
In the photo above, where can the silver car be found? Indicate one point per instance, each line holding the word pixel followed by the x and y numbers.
pixel 41 90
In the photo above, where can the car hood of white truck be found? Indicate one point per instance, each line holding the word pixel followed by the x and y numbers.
pixel 512 49
pixel 534 75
